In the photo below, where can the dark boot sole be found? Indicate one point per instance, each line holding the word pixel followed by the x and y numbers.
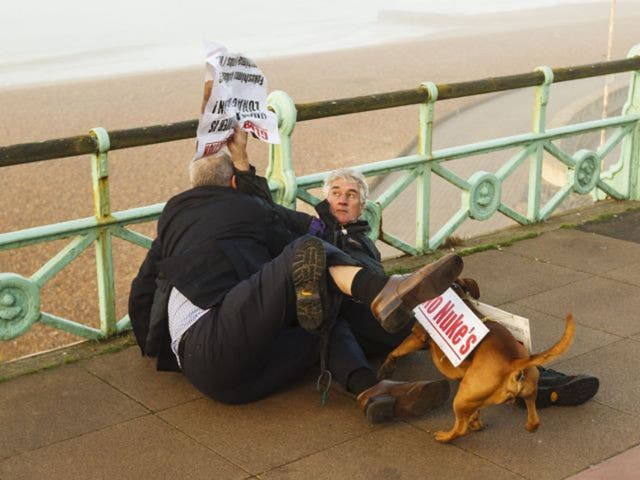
pixel 575 392
pixel 440 277
pixel 380 409
pixel 308 273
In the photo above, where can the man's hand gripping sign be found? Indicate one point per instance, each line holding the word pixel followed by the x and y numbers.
pixel 235 94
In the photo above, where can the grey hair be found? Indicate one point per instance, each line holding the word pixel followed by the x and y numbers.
pixel 215 170
pixel 349 175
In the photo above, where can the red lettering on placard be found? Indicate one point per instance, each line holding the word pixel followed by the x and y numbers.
pixel 257 131
pixel 443 313
pixel 451 329
pixel 462 331
pixel 432 304
pixel 447 320
pixel 213 147
pixel 468 345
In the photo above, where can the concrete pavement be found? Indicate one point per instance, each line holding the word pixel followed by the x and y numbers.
pixel 113 416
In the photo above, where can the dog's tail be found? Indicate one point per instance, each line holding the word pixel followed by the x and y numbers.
pixel 551 353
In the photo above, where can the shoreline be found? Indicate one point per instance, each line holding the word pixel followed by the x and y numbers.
pixel 456 27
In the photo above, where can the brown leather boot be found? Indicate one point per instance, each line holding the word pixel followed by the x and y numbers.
pixel 402 293
pixel 388 400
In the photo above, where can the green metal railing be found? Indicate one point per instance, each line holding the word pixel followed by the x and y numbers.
pixel 480 194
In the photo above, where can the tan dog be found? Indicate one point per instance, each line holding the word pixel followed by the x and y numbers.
pixel 497 371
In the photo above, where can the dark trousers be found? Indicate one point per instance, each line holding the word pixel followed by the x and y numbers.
pixel 372 338
pixel 251 344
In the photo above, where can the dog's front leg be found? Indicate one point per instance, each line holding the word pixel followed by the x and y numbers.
pixel 532 413
pixel 414 342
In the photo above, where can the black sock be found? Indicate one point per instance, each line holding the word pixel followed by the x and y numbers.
pixel 367 284
pixel 361 379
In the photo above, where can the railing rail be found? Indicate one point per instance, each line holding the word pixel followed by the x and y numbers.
pixel 480 194
pixel 136 137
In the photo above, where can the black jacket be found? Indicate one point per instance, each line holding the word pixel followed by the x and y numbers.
pixel 351 238
pixel 208 239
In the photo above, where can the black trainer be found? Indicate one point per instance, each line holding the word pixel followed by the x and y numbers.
pixel 309 280
pixel 556 388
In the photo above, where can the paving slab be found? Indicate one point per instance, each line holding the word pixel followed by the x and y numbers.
pixel 567 441
pixel 623 466
pixel 143 448
pixel 596 302
pixel 275 431
pixel 506 277
pixel 629 274
pixel 393 452
pixel 581 251
pixel 55 405
pixel 137 377
pixel 616 365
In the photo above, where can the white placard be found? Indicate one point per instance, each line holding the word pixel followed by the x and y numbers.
pixel 452 325
pixel 239 96
pixel 517 325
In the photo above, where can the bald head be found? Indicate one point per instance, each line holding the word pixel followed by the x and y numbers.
pixel 215 170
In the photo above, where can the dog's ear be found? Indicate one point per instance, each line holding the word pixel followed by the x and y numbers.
pixel 469 286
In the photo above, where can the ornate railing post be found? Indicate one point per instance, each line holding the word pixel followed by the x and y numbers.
pixel 102 212
pixel 280 170
pixel 423 180
pixel 539 126
pixel 624 174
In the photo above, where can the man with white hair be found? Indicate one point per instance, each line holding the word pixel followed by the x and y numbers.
pixel 346 193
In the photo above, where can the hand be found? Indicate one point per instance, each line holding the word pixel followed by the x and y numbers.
pixel 237 146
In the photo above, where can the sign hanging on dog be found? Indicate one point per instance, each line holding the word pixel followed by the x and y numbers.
pixel 452 325
pixel 517 325
pixel 238 97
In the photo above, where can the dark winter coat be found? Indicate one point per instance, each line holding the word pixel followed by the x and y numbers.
pixel 208 240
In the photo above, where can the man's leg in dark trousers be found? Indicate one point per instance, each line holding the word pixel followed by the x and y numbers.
pixel 294 352
pixel 374 340
pixel 345 356
pixel 251 345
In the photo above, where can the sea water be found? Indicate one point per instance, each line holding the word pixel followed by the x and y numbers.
pixel 43 41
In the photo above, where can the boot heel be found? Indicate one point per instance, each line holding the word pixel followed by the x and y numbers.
pixel 380 409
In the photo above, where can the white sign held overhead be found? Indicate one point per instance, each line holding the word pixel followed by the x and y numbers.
pixel 239 97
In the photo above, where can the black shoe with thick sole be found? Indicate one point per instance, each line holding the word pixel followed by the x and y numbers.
pixel 567 391
pixel 309 279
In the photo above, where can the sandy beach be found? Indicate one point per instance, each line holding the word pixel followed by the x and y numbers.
pixel 48 192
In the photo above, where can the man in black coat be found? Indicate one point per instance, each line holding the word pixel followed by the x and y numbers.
pixel 238 296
